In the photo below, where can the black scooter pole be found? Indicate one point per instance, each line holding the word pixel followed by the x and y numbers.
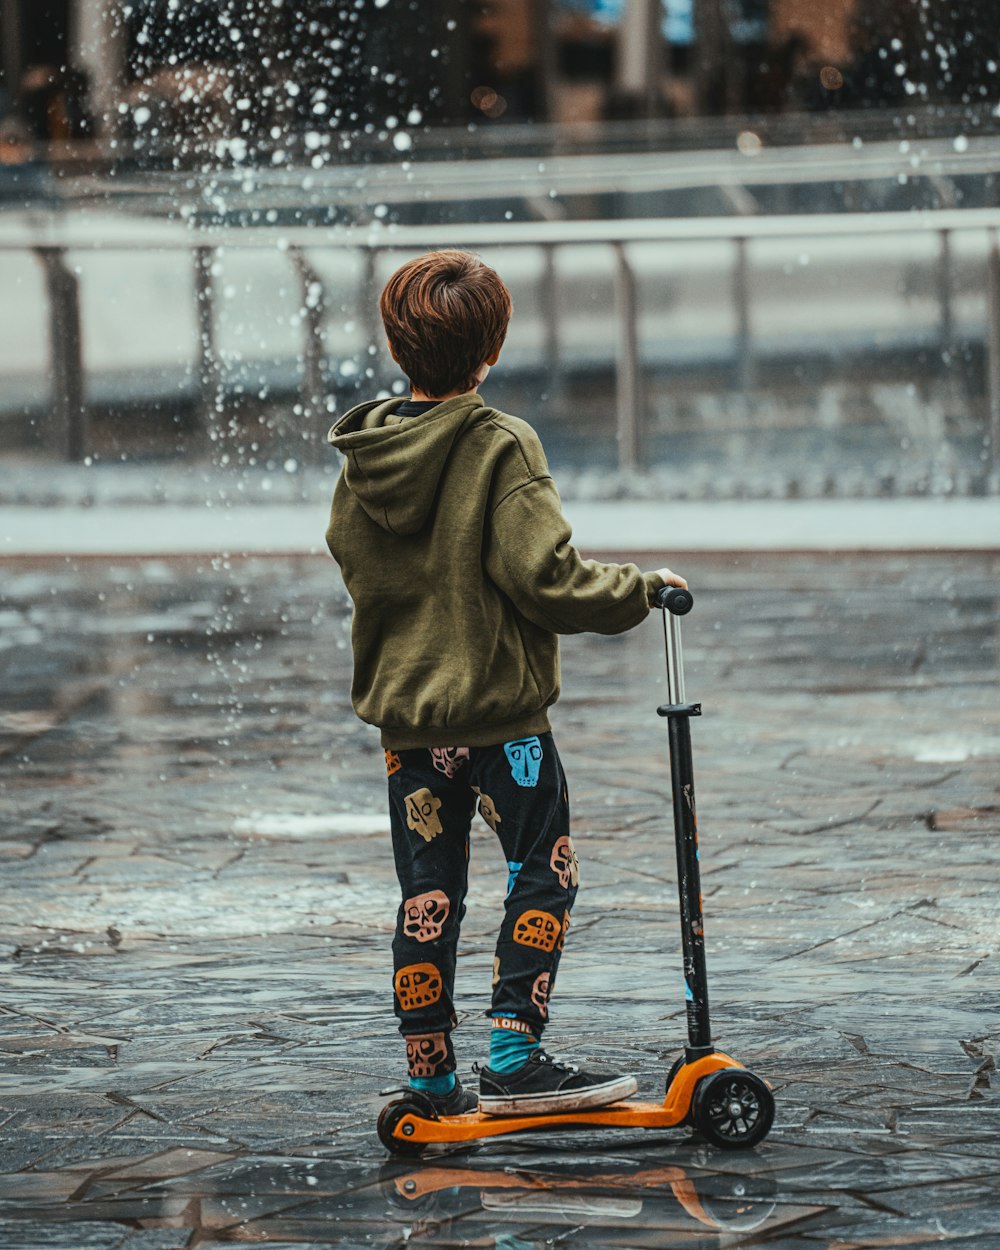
pixel 677 602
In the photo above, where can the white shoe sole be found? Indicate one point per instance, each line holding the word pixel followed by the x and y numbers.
pixel 589 1099
pixel 568 1207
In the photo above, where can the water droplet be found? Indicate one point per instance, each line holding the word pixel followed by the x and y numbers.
pixel 401 141
pixel 748 143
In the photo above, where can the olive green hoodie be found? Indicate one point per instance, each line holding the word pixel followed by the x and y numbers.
pixel 449 533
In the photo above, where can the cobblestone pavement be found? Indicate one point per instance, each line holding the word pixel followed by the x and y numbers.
pixel 198 896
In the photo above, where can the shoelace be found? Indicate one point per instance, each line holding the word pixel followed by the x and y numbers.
pixel 557 1061
pixel 540 1056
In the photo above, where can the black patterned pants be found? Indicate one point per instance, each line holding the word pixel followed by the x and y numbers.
pixel 520 790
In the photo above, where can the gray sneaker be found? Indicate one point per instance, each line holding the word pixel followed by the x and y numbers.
pixel 544 1085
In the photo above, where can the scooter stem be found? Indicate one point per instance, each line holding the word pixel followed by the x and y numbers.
pixel 675 657
pixel 689 881
pixel 676 602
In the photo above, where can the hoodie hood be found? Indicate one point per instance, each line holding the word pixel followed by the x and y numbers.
pixel 394 464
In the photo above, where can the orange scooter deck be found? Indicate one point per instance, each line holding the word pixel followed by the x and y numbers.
pixel 417 1130
pixel 411 1187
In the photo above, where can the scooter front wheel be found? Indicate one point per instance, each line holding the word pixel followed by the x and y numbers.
pixel 732 1108
pixel 390 1117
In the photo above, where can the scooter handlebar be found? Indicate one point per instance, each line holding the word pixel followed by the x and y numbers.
pixel 674 599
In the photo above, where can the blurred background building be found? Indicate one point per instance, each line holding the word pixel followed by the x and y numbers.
pixel 77 74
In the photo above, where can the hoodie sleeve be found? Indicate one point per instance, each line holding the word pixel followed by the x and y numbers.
pixel 530 557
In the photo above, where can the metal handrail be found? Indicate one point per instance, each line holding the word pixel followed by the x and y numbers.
pixel 51 232
pixel 436 180
pixel 52 238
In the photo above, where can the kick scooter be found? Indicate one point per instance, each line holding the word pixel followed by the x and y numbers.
pixel 728 1105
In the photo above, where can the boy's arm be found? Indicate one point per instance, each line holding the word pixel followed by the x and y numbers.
pixel 530 557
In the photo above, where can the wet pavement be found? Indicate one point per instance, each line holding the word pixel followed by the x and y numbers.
pixel 198 897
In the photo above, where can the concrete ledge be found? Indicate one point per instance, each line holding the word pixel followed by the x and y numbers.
pixel 790 525
pixel 945 524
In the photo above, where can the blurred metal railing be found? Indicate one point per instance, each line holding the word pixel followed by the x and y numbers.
pixel 52 243
pixel 936 172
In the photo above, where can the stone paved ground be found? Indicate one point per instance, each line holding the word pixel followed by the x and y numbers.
pixel 198 893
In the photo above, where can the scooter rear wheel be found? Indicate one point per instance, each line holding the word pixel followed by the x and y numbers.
pixel 737 1203
pixel 732 1108
pixel 391 1115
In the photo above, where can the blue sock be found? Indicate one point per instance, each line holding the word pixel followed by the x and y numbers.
pixel 508 1050
pixel 443 1084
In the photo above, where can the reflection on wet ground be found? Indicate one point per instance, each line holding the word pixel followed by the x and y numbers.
pixel 197 899
pixel 620 1199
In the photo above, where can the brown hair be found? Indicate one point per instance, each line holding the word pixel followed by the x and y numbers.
pixel 445 313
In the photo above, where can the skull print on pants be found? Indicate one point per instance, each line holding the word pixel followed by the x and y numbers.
pixel 425 1053
pixel 488 809
pixel 565 929
pixel 525 758
pixel 538 929
pixel 422 809
pixel 417 985
pixel 540 994
pixel 449 760
pixel 425 915
pixel 563 862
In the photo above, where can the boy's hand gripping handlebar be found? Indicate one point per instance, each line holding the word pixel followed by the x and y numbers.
pixel 675 601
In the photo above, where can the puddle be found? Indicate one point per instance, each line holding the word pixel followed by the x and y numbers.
pixel 207 1197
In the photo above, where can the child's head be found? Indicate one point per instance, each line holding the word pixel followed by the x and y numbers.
pixel 445 316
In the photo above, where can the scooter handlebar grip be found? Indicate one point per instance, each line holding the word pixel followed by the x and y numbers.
pixel 674 599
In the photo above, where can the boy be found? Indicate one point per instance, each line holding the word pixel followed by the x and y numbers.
pixel 448 531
